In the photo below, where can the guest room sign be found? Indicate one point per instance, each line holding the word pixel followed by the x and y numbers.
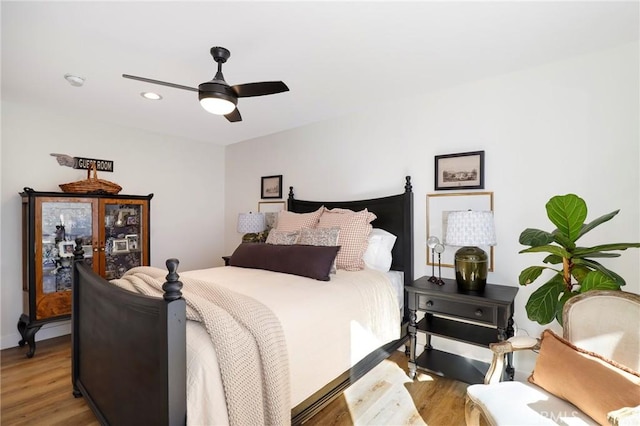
pixel 84 163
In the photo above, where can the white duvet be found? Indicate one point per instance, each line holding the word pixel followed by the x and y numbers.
pixel 328 325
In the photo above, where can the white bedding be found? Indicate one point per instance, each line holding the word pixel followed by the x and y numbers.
pixel 397 282
pixel 329 326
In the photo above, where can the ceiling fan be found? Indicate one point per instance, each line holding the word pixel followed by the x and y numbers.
pixel 216 96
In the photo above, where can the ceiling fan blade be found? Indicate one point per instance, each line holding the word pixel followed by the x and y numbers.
pixel 163 83
pixel 234 116
pixel 259 89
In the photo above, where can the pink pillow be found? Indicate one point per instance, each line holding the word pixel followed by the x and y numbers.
pixel 290 221
pixel 353 238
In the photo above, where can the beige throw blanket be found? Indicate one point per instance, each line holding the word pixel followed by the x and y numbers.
pixel 248 340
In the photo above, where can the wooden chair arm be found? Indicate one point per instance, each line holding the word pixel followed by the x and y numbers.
pixel 500 349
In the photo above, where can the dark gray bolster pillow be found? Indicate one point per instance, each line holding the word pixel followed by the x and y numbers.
pixel 307 261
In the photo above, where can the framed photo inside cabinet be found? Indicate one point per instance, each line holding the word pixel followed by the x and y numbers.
pixel 65 248
pixel 271 187
pixel 270 210
pixel 88 250
pixel 120 246
pixel 132 242
pixel 464 170
pixel 438 208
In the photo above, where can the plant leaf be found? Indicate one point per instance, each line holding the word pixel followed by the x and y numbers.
pixel 581 251
pixel 542 304
pixel 604 218
pixel 584 255
pixel 563 240
pixel 596 280
pixel 530 274
pixel 557 250
pixel 579 272
pixel 565 296
pixel 592 264
pixel 552 259
pixel 535 237
pixel 568 213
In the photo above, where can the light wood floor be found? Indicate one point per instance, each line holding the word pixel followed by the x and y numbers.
pixel 37 391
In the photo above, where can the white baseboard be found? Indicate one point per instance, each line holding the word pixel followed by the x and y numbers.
pixel 48 331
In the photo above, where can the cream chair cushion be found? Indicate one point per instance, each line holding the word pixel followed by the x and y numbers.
pixel 518 403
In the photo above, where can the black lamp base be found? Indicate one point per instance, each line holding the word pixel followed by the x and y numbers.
pixel 471 265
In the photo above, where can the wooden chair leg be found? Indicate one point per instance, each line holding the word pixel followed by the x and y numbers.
pixel 471 412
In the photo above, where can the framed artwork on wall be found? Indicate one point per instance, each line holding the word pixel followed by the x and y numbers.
pixel 438 208
pixel 271 187
pixel 270 210
pixel 464 170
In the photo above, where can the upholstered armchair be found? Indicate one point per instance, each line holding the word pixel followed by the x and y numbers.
pixel 588 376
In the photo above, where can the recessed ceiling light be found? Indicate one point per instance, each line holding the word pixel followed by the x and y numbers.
pixel 74 80
pixel 151 95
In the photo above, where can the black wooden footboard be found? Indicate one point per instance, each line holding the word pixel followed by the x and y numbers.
pixel 129 350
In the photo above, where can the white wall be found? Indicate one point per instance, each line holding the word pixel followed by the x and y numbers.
pixel 568 126
pixel 186 178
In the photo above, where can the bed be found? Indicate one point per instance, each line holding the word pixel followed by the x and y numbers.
pixel 128 350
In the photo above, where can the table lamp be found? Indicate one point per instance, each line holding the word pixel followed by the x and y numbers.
pixel 251 224
pixel 468 230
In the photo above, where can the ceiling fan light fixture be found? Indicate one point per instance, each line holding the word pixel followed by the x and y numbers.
pixel 216 97
pixel 217 106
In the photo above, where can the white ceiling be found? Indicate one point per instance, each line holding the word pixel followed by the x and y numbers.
pixel 336 57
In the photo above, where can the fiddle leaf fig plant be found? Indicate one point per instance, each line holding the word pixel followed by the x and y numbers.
pixel 574 268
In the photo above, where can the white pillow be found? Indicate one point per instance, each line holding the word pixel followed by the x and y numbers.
pixel 378 253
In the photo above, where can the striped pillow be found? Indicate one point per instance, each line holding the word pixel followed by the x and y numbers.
pixel 353 238
pixel 290 221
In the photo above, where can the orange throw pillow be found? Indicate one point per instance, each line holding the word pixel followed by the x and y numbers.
pixel 592 383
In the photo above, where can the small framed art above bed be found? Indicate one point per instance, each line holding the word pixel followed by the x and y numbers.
pixel 162 348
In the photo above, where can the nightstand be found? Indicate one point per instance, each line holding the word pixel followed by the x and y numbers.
pixel 475 318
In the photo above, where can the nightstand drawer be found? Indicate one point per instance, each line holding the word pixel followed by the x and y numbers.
pixel 472 311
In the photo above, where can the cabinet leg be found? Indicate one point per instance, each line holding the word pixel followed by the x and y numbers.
pixel 509 332
pixel 412 343
pixel 504 334
pixel 28 333
pixel 412 370
pixel 76 392
pixel 22 326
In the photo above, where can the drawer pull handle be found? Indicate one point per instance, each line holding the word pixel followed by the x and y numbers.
pixel 429 303
pixel 478 312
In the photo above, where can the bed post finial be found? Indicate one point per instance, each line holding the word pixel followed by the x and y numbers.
pixel 407 186
pixel 291 192
pixel 172 287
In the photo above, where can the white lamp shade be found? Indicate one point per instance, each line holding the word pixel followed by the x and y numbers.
pixel 251 223
pixel 470 228
pixel 217 106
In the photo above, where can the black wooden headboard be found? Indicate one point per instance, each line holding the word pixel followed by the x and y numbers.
pixel 394 214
